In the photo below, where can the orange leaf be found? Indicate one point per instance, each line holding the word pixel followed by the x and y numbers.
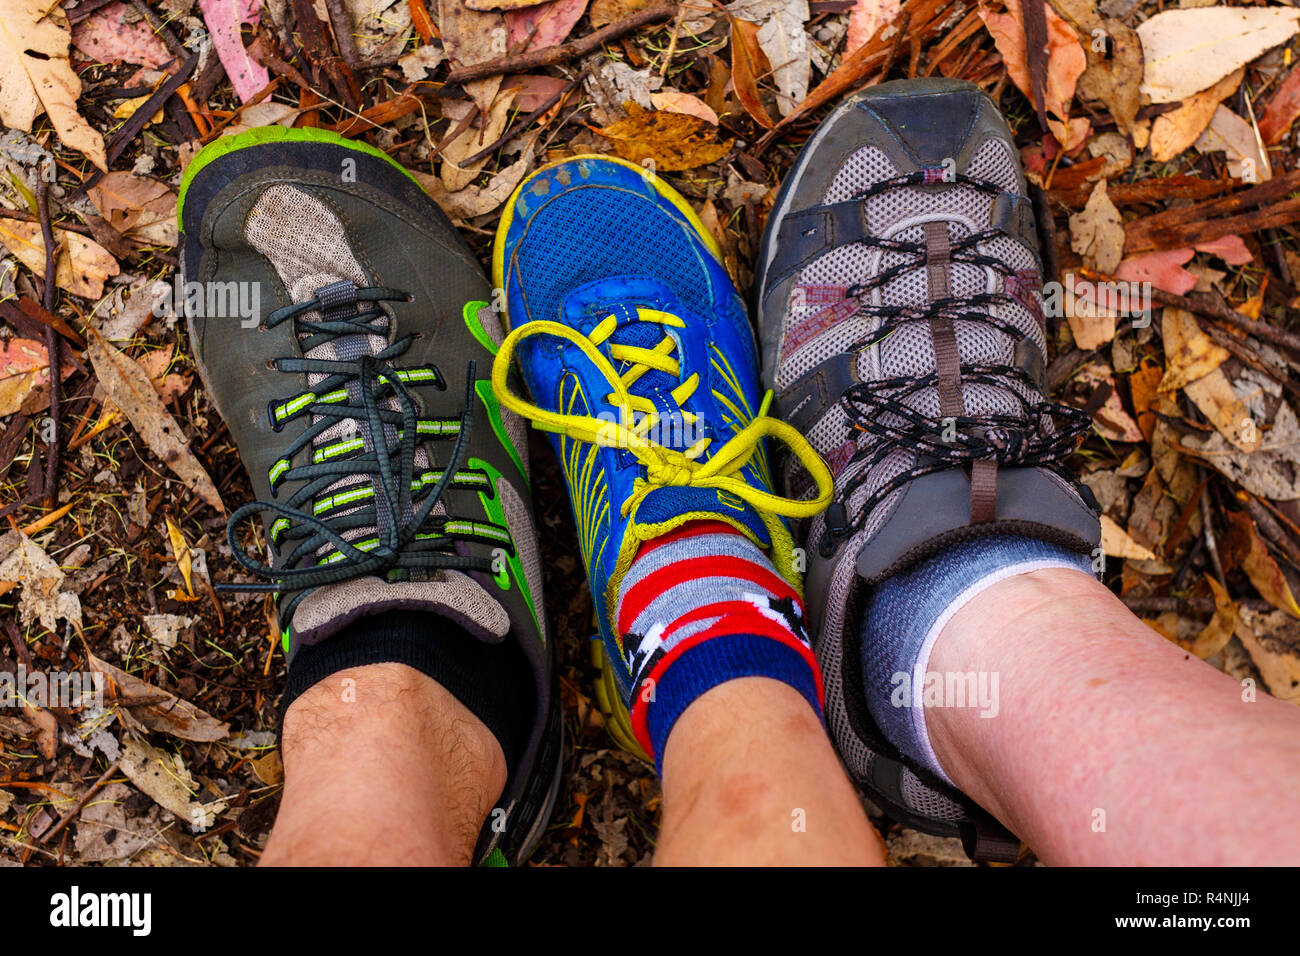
pixel 748 63
pixel 1252 556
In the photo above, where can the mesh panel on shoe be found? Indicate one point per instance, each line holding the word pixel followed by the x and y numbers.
pixel 628 228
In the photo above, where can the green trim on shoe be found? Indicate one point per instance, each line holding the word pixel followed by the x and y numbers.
pixel 274 134
pixel 497 515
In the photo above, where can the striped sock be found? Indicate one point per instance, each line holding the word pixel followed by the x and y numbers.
pixel 700 606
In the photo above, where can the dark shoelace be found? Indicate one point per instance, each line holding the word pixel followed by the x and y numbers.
pixel 397 502
pixel 1043 435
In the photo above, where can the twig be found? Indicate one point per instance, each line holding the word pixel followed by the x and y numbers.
pixel 552 55
pixel 342 24
pixel 174 46
pixel 53 343
pixel 81 804
pixel 524 122
pixel 1204 606
pixel 132 127
pixel 23 216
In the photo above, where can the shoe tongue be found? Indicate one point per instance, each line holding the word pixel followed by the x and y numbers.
pixel 666 509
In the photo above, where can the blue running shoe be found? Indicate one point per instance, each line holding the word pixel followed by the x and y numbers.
pixel 642 365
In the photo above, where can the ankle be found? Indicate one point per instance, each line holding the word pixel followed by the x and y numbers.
pixel 348 737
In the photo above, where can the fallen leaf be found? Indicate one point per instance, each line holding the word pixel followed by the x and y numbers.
pixel 223 19
pixel 24 367
pixel 1144 386
pixel 169 715
pixel 105 833
pixel 109 36
pixel 471 36
pixel 866 18
pixel 605 12
pixel 1111 420
pixel 138 207
pixel 1187 51
pixel 165 778
pixel 477 200
pixel 1272 639
pixel 43 597
pixel 748 63
pixel 419 64
pixel 671 141
pixel 36 76
pixel 1097 232
pixel 1245 549
pixel 1190 353
pixel 1230 134
pixel 540 25
pixel 81 264
pixel 785 44
pixel 1231 249
pixel 1177 130
pixel 533 90
pixel 1066 62
pixel 1115 541
pixel 1280 110
pixel 1164 270
pixel 455 176
pixel 1272 471
pixel 675 102
pixel 127 385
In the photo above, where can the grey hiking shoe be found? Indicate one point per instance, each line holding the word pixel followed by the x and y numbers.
pixel 899 300
pixel 354 377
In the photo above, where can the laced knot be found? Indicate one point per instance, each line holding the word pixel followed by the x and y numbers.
pixel 639 421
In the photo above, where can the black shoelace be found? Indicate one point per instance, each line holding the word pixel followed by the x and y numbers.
pixel 388 497
pixel 1043 434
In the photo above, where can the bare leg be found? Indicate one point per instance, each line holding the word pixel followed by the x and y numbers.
pixel 383 767
pixel 1103 723
pixel 750 778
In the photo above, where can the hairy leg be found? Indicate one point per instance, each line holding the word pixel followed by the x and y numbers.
pixel 1111 745
pixel 383 767
pixel 750 778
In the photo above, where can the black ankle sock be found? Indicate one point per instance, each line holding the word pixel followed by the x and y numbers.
pixel 493 681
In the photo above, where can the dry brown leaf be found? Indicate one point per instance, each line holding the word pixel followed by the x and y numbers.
pixel 36 76
pixel 748 63
pixel 675 102
pixel 1144 385
pixel 165 778
pixel 605 12
pixel 141 208
pixel 472 36
pixel 172 716
pixel 1187 51
pixel 477 200
pixel 1189 353
pixel 1066 62
pixel 1175 131
pixel 670 141
pixel 1115 541
pixel 127 385
pixel 1219 631
pixel 81 264
pixel 1231 135
pixel 1272 639
pixel 456 177
pixel 1272 471
pixel 1247 550
pixel 1097 233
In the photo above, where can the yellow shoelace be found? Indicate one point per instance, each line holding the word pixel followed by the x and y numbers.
pixel 664 466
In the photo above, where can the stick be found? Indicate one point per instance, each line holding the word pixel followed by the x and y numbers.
pixel 552 55
pixel 52 344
